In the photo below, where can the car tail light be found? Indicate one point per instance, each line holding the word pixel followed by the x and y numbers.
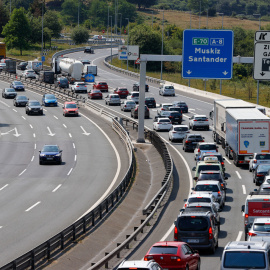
pixel 219 195
pixel 210 233
pixel 125 106
pixel 202 140
pixel 206 120
pixel 252 234
pixel 148 258
pixel 77 86
pixel 266 199
pixel 162 109
pixel 136 109
pixel 222 163
pixel 174 132
pixel 185 205
pixel 199 150
pixel 259 175
pixel 170 116
pixel 222 185
pixel 195 120
pixel 178 259
pixel 255 161
pixel 188 141
pixel 175 233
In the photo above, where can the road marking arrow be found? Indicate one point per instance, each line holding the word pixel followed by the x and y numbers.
pixel 84 132
pixel 225 72
pixel 16 133
pixel 189 72
pixel 50 133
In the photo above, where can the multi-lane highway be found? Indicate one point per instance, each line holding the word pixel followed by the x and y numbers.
pixel 239 179
pixel 39 201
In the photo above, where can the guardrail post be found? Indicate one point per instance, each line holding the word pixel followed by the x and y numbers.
pixel 135 238
pixel 74 232
pixel 100 212
pixel 62 240
pixel 84 225
pixel 48 250
pixel 118 254
pixel 107 263
pixel 127 246
pixel 107 206
pixel 32 259
pixel 93 218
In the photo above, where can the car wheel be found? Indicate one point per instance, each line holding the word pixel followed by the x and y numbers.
pixel 207 128
pixel 218 227
pixel 198 265
pixel 213 249
pixel 41 113
pixel 26 112
pixel 185 149
pixel 249 169
pixel 173 95
pixel 187 267
pixel 60 162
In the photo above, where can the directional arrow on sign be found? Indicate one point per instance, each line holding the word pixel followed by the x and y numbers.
pixel 262 73
pixel 50 133
pixel 189 72
pixel 84 132
pixel 225 72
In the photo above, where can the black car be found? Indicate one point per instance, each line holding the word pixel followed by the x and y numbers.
pixel 22 65
pixel 190 141
pixel 50 154
pixel 62 82
pixel 198 229
pixel 136 87
pixel 135 112
pixel 17 85
pixel 86 62
pixel 259 173
pixel 182 105
pixel 150 102
pixel 212 175
pixel 20 101
pixel 175 117
pixel 88 50
pixel 33 107
pixel 9 93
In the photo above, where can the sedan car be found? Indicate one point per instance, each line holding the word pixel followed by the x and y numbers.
pixel 33 107
pixel 22 65
pixel 79 87
pixel 112 99
pixel 198 121
pixel 150 102
pixel 164 107
pixel 136 87
pixel 202 147
pixel 29 73
pixel 259 173
pixel 127 105
pixel 213 176
pixel 135 112
pixel 85 62
pixel 178 132
pixel 49 100
pixel 20 101
pixel 167 90
pixel 95 94
pixel 17 85
pixel 134 96
pixel 190 141
pixel 174 255
pixel 122 92
pixel 162 124
pixel 70 108
pixel 102 86
pixel 50 154
pixel 9 93
pixel 175 117
pixel 257 159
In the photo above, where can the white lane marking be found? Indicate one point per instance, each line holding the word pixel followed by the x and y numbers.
pixel 75 157
pixel 64 126
pixel 35 146
pixel 165 236
pixel 50 132
pixel 23 118
pixel 244 189
pixel 14 110
pixel 191 109
pixel 34 135
pixel 45 110
pixel 3 187
pixel 70 171
pixel 1 227
pixel 243 214
pixel 57 188
pixel 22 172
pixel 31 207
pixel 193 112
pixel 239 236
pixel 199 109
pixel 70 135
pixel 74 145
pixel 32 158
pixel 84 132
pixel 4 102
pixel 238 174
pixel 55 117
pixel 30 126
pixel 228 160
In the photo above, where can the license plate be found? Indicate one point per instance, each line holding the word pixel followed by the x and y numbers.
pixel 49 158
pixel 194 143
pixel 193 241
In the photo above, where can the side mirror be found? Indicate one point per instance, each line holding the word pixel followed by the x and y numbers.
pixel 243 208
pixel 195 178
pixel 63 107
pixel 192 188
pixel 61 151
pixel 194 169
pixel 185 200
pixel 255 189
pixel 39 151
pixel 217 147
pixel 224 158
pixel 182 210
pixel 225 177
pixel 196 251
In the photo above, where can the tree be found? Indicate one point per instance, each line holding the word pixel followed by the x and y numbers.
pixel 197 5
pixel 36 28
pixel 143 3
pixel 80 35
pixel 4 17
pixel 17 30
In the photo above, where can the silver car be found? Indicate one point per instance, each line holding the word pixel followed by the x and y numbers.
pixel 134 96
pixel 29 73
pixel 260 227
pixel 9 93
pixel 178 132
pixel 257 159
pixel 112 99
pixel 127 105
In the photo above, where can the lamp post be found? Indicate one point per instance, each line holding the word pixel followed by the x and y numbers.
pixel 220 86
pixel 162 45
pixel 108 24
pixel 111 39
pixel 222 14
pixel 200 14
pixel 42 27
pixel 258 82
pixel 120 28
pixel 259 20
pixel 127 41
pixel 78 12
pixel 10 7
pixel 152 17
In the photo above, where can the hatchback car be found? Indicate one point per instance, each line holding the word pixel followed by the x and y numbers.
pixel 257 159
pixel 198 122
pixel 33 107
pixel 203 147
pixel 62 82
pixel 150 102
pixel 51 154
pixel 127 105
pixel 260 227
pixel 175 109
pixel 102 86
pixel 139 265
pixel 70 108
pixel 121 91
pixel 95 94
pixel 178 132
pixel 167 90
pixel 214 176
pixel 29 73
pixel 112 99
pixel 190 141
pixel 9 93
pixel 2 66
pixel 174 255
pixel 182 105
pixel 214 154
pixel 136 87
pixel 17 85
pixel 162 124
pixel 134 96
pixel 164 107
pixel 49 100
pixel 175 117
pixel 79 87
pixel 259 173
pixel 22 65
pixel 135 112
pixel 20 101
pixel 88 50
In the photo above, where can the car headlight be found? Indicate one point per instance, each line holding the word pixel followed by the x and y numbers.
pixel 58 155
pixel 30 109
pixel 42 155
pixel 41 109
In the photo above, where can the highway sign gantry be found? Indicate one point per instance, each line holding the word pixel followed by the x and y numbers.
pixel 261 67
pixel 207 54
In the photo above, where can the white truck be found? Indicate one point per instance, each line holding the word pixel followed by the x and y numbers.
pixel 219 116
pixel 90 69
pixel 35 65
pixel 257 205
pixel 247 132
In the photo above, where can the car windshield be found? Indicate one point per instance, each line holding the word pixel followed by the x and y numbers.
pixel 96 91
pixel 102 83
pixel 194 138
pixel 244 259
pixel 135 94
pixel 30 71
pixel 165 113
pixel 261 227
pixel 22 98
pixel 70 106
pixel 193 223
pixel 199 199
pixel 166 107
pixel 50 148
pixel 34 103
pixel 123 89
pixel 262 156
pixel 208 147
pixel 50 97
pixel 181 129
pixel 206 187
pixel 163 250
pixel 209 176
pixel 10 90
pixel 17 83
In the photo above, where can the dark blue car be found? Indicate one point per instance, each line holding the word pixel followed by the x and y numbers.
pixel 49 100
pixel 50 154
pixel 17 85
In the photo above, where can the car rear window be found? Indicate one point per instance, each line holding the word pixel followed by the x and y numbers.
pixel 169 87
pixel 135 94
pixel 208 147
pixel 198 209
pixel 200 118
pixel 82 84
pixel 175 114
pixel 219 157
pixel 178 109
pixel 150 98
pixel 163 250
pixel 209 176
pixel 102 83
pixel 206 187
pixel 195 138
pixel 164 121
pixel 128 268
pixel 262 156
pixel 115 96
pixel 261 227
pixel 244 259
pixel 199 199
pixel 181 129
pixel 193 223
pixel 209 167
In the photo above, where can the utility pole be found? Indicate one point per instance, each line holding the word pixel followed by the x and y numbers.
pixel 120 23
pixel 258 82
pixel 127 42
pixel 108 23
pixel 220 84
pixel 111 39
pixel 78 12
pixel 162 46
pixel 42 11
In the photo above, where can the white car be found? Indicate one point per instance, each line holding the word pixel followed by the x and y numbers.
pixel 164 107
pixel 98 37
pixel 178 132
pixel 162 124
pixel 79 87
pixel 257 159
pixel 260 227
pixel 134 96
pixel 143 265
pixel 2 65
pixel 167 90
pixel 202 147
pixel 198 121
pixel 112 99
pixel 127 105
pixel 29 73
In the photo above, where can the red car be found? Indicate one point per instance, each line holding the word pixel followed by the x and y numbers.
pixel 174 255
pixel 102 86
pixel 95 94
pixel 122 92
pixel 70 108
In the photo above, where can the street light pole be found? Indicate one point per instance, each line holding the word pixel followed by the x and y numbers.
pixel 258 82
pixel 78 12
pixel 10 7
pixel 162 45
pixel 127 42
pixel 220 86
pixel 108 24
pixel 200 14
pixel 120 28
pixel 42 28
pixel 152 18
pixel 111 39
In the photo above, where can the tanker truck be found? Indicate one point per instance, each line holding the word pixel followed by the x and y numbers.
pixel 68 67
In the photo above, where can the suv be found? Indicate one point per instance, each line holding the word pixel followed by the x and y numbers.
pixel 62 82
pixel 70 108
pixel 190 141
pixel 135 112
pixel 33 107
pixel 259 228
pixel 175 117
pixel 216 154
pixel 136 87
pixel 257 159
pixel 112 99
pixel 198 121
pixel 198 229
pixel 203 147
pixel 164 107
pixel 150 102
pixel 245 255
pixel 143 265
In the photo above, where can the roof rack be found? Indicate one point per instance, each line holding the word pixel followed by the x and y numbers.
pixel 258 192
